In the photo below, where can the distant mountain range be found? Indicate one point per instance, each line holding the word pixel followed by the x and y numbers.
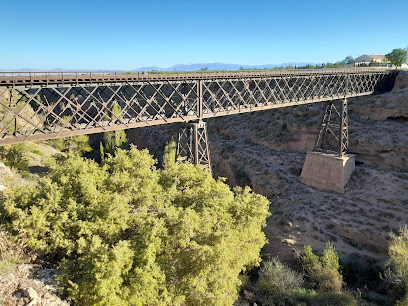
pixel 217 66
pixel 183 67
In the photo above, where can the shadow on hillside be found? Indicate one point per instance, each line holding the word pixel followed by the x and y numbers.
pixel 40 170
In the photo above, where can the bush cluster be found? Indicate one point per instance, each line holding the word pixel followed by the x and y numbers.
pixel 14 157
pixel 126 233
pixel 323 272
pixel 276 278
pixel 277 284
pixel 77 144
pixel 280 285
pixel 398 251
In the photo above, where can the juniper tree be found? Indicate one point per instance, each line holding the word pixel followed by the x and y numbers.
pixel 126 233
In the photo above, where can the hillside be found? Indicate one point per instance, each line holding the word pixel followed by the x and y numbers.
pixel 266 151
pixel 24 280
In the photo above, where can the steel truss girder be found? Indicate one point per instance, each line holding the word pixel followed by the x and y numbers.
pixel 34 112
pixel 333 134
pixel 192 144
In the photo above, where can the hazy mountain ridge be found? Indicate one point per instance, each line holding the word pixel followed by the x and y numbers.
pixel 178 67
pixel 217 66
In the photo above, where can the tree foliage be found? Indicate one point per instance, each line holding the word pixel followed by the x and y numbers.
pixel 130 234
pixel 116 139
pixel 323 272
pixel 348 60
pixel 397 57
pixel 77 144
pixel 14 157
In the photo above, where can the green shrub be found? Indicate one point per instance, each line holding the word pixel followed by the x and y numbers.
pixel 115 139
pixel 38 152
pixel 398 251
pixel 323 272
pixel 242 177
pixel 277 283
pixel 14 157
pixel 129 234
pixel 276 278
pixel 77 144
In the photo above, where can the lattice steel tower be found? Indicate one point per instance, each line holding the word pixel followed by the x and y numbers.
pixel 192 144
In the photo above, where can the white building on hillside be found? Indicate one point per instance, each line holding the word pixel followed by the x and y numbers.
pixel 366 59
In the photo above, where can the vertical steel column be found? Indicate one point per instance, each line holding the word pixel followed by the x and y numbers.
pixel 343 141
pixel 13 106
pixel 200 99
pixel 192 144
pixel 333 134
pixel 195 142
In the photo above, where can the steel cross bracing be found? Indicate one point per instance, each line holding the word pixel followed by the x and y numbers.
pixel 192 144
pixel 333 134
pixel 38 109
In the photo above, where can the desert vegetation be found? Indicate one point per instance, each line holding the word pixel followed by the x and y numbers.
pixel 12 252
pixel 123 232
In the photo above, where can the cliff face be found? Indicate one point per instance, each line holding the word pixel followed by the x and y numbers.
pixel 379 127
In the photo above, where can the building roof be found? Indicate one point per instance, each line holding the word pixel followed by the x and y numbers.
pixel 376 56
pixel 366 58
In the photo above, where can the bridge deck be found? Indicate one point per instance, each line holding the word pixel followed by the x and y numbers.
pixel 11 79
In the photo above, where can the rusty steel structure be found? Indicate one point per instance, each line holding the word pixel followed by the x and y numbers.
pixel 192 144
pixel 47 105
pixel 333 134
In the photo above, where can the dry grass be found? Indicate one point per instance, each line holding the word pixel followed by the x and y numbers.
pixel 11 253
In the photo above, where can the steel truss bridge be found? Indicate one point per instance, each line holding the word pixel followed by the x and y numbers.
pixel 46 105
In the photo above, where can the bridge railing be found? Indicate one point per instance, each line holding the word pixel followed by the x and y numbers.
pixel 146 74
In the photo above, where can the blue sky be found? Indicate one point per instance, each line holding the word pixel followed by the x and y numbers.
pixel 130 34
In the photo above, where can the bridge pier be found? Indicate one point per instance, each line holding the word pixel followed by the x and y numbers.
pixel 329 166
pixel 192 144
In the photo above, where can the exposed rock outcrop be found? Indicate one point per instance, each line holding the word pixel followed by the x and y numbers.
pixel 30 284
pixel 5 176
pixel 401 81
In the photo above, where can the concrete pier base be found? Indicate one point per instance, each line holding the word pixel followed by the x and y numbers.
pixel 327 171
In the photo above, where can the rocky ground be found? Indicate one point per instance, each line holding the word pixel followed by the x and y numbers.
pixel 29 284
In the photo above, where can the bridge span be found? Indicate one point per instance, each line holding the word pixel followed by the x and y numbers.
pixel 45 105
